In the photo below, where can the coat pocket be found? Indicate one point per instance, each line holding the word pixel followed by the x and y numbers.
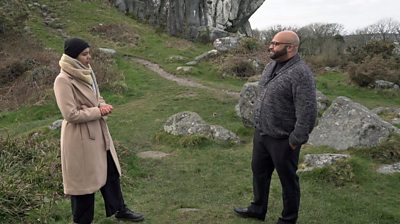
pixel 91 127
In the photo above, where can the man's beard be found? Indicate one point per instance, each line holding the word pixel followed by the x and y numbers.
pixel 278 54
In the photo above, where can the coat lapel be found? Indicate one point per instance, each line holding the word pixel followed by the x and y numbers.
pixel 86 91
pixel 289 64
pixel 270 68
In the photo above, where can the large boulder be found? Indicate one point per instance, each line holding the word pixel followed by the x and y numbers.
pixel 348 124
pixel 194 18
pixel 190 123
pixel 186 123
pixel 248 96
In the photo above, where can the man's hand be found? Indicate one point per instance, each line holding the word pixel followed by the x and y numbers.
pixel 292 146
pixel 105 109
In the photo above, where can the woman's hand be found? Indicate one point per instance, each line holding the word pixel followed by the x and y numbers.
pixel 105 109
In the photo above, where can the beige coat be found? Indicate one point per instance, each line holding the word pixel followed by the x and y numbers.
pixel 84 137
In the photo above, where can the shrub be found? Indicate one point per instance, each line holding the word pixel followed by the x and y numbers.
pixel 13 14
pixel 331 54
pixel 30 175
pixel 379 48
pixel 191 141
pixel 339 174
pixel 16 69
pixel 248 45
pixel 243 68
pixel 27 72
pixel 107 74
pixel 373 68
pixel 358 75
pixel 238 67
pixel 119 33
pixel 386 152
pixel 371 49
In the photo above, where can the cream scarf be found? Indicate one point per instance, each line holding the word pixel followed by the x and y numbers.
pixel 77 69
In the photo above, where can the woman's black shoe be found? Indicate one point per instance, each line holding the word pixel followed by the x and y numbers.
pixel 129 215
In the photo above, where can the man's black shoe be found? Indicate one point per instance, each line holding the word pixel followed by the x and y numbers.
pixel 245 213
pixel 129 215
pixel 281 221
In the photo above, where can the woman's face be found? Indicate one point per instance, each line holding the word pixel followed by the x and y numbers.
pixel 84 57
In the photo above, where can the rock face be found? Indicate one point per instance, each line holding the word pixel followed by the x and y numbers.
pixel 348 124
pixel 194 18
pixel 190 123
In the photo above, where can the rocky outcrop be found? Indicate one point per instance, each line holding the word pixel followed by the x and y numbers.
pixel 190 123
pixel 348 124
pixel 388 169
pixel 203 57
pixel 382 84
pixel 194 19
pixel 312 161
pixel 56 124
pixel 226 43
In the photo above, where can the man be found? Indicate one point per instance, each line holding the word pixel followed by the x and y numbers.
pixel 284 115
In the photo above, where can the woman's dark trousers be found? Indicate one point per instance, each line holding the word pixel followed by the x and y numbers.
pixel 83 205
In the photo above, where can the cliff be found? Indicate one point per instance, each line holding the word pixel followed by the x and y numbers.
pixel 194 19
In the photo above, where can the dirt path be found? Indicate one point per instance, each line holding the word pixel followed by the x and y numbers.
pixel 180 81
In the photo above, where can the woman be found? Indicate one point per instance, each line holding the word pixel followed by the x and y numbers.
pixel 88 157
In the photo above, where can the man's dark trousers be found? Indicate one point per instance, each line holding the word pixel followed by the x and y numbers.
pixel 269 154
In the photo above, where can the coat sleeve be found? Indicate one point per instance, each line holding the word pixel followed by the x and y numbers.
pixel 70 109
pixel 101 101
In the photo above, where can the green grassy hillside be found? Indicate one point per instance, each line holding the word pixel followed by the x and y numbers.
pixel 209 177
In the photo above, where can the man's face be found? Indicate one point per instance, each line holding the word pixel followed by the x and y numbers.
pixel 277 52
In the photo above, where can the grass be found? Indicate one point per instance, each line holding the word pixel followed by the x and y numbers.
pixel 334 84
pixel 24 120
pixel 207 176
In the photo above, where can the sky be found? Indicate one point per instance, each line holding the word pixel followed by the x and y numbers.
pixel 352 14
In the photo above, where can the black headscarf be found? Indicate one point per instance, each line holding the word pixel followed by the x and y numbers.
pixel 74 46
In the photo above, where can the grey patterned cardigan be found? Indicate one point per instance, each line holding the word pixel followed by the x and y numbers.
pixel 286 106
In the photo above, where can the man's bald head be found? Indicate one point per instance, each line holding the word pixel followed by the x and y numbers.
pixel 284 45
pixel 288 36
